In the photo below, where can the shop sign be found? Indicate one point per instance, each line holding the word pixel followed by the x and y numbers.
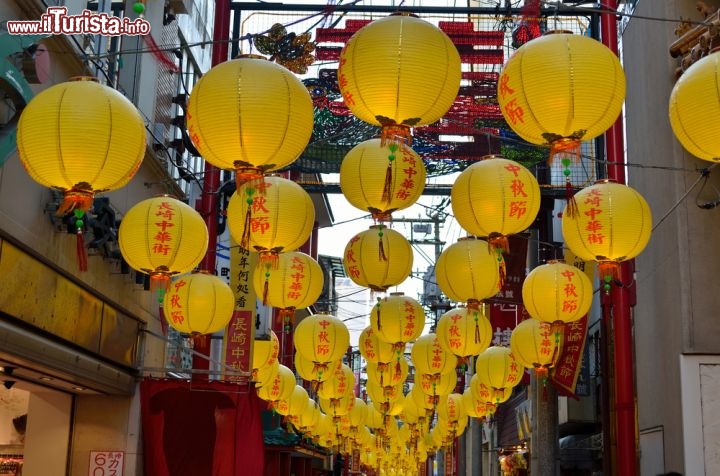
pixel 107 463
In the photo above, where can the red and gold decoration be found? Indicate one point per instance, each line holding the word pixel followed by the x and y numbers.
pixel 613 224
pixel 494 198
pixel 399 72
pixel 535 346
pixel 286 48
pixel 249 115
pixel 561 89
pixel 557 292
pixel 271 217
pixel 468 271
pixel 378 258
pixel 295 283
pixel 199 303
pixel 80 138
pixel 162 237
pixel 382 178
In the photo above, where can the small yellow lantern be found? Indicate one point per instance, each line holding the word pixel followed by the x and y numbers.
pixel 199 303
pixel 561 89
pixel 321 338
pixel 464 332
pixel 467 271
pixel 438 384
pixel 397 319
pixel 430 358
pixel 81 138
pixel 534 345
pixel 280 388
pixel 315 373
pixel 497 368
pixel 265 352
pixel 383 375
pixel 494 198
pixel 373 349
pixel 557 292
pixel 271 216
pixel 475 406
pixel 296 403
pixel 450 408
pixel 695 108
pixel 341 382
pixel 265 374
pixel 399 72
pixel 484 393
pixel 381 178
pixel 378 258
pixel 613 224
pixel 249 115
pixel 338 406
pixel 162 237
pixel 295 283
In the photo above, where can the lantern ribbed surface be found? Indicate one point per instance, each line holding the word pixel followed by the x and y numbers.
pixel 613 223
pixel 296 403
pixel 695 108
pixel 468 270
pixel 495 196
pixel 373 349
pixel 464 331
pixel 557 292
pixel 363 174
pixel 81 134
pixel 321 338
pixel 430 358
pixel 199 303
pixel 496 367
pixel 364 264
pixel 265 374
pixel 450 408
pixel 249 112
pixel 282 214
pixel 265 351
pixel 534 344
pixel 399 70
pixel 561 85
pixel 341 382
pixel 295 281
pixel 280 388
pixel 397 319
pixel 163 234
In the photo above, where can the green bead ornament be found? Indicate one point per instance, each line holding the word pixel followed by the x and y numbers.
pixel 139 8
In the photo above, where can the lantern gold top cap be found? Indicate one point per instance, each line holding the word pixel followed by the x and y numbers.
pixel 397 294
pixel 92 79
pixel 556 261
pixel 491 156
pixel 558 32
pixel 250 56
pixel 605 180
pixel 403 14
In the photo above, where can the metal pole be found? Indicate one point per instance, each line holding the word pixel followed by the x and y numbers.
pixel 625 412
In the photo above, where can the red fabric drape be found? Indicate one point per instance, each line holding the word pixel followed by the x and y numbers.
pixel 201 429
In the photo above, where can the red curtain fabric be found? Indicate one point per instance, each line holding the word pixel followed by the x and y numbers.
pixel 201 429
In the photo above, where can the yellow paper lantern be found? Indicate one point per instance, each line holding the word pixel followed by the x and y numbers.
pixel 271 216
pixel 450 408
pixel 265 351
pixel 557 292
pixel 476 407
pixel 358 413
pixel 612 224
pixel 561 89
pixel 397 319
pixel 313 372
pixel 382 178
pixel 375 350
pixel 378 258
pixel 162 237
pixel 308 418
pixel 437 384
pixel 494 198
pixel 467 271
pixel 296 403
pixel 497 368
pixel 695 108
pixel 464 332
pixel 341 382
pixel 430 358
pixel 399 72
pixel 484 393
pixel 249 115
pixel 387 375
pixel 280 388
pixel 295 283
pixel 199 303
pixel 265 374
pixel 81 137
pixel 535 345
pixel 321 338
pixel 338 406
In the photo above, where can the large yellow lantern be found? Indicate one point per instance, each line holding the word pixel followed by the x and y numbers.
pixel 695 108
pixel 382 178
pixel 494 198
pixel 613 224
pixel 497 368
pixel 464 332
pixel 271 216
pixel 295 283
pixel 162 237
pixel 468 271
pixel 249 115
pixel 321 338
pixel 81 138
pixel 397 319
pixel 378 258
pixel 561 89
pixel 535 345
pixel 399 72
pixel 557 292
pixel 430 358
pixel 199 303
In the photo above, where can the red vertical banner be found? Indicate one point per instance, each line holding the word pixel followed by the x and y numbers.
pixel 515 270
pixel 240 332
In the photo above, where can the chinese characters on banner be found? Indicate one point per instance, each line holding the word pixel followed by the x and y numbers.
pixel 240 333
pixel 565 373
pixel 515 270
pixel 107 463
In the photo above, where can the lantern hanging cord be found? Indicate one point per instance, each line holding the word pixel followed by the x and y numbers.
pixel 704 174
